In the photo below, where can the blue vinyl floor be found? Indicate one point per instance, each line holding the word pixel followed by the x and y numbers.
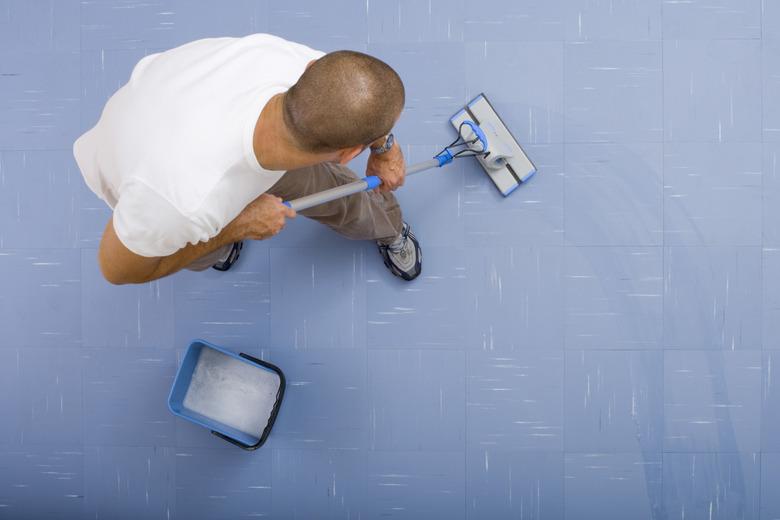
pixel 601 345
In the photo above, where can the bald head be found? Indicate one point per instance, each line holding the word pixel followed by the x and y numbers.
pixel 344 99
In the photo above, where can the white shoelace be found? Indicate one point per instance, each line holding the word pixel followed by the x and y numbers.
pixel 403 250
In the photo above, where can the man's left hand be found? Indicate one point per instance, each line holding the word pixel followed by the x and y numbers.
pixel 389 166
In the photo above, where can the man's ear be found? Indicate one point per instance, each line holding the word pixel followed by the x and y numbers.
pixel 347 154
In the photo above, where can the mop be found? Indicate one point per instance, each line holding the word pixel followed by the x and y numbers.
pixel 481 134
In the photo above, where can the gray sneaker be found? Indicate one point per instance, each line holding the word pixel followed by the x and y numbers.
pixel 404 256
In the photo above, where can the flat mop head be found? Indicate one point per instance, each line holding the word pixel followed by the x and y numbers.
pixel 504 161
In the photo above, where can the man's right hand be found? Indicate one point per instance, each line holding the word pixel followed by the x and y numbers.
pixel 262 218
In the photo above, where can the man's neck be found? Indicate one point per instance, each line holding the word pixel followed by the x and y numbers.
pixel 272 143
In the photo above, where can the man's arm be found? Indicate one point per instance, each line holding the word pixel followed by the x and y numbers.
pixel 388 166
pixel 121 266
pixel 262 218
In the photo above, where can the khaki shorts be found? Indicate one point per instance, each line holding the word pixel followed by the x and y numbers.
pixel 368 215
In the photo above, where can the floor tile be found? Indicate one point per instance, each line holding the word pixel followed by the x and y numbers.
pixel 330 26
pixel 723 19
pixel 39 100
pixel 712 485
pixel 514 402
pixel 532 109
pixel 129 482
pixel 425 314
pixel 230 482
pixel 37 307
pixel 410 20
pixel 230 308
pixel 499 20
pixel 712 297
pixel 613 402
pixel 415 485
pixel 613 486
pixel 332 480
pixel 771 198
pixel 770 473
pixel 514 485
pixel 41 397
pixel 712 194
pixel 770 69
pixel 128 24
pixel 48 25
pixel 41 482
pixel 317 298
pixel 589 20
pixel 142 314
pixel 515 296
pixel 711 401
pixel 770 403
pixel 771 20
pixel 613 92
pixel 712 90
pixel 38 194
pixel 126 396
pixel 613 194
pixel 417 400
pixel 614 298
pixel 771 300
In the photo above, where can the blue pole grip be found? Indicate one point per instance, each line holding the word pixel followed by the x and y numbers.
pixel 445 157
pixel 372 181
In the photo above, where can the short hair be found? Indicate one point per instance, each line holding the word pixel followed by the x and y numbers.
pixel 343 99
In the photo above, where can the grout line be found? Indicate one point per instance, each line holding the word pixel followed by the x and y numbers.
pixel 761 274
pixel 663 260
pixel 81 282
pixel 562 274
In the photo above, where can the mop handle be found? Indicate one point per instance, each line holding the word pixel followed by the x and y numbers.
pixel 365 184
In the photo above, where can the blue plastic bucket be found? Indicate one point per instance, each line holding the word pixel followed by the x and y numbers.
pixel 236 396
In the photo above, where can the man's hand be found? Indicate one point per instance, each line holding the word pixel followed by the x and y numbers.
pixel 389 166
pixel 262 218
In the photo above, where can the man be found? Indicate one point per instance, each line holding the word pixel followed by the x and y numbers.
pixel 197 151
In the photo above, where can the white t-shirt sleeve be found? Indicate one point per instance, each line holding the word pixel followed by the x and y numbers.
pixel 148 225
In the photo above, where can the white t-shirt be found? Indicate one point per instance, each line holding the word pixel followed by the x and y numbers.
pixel 172 152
